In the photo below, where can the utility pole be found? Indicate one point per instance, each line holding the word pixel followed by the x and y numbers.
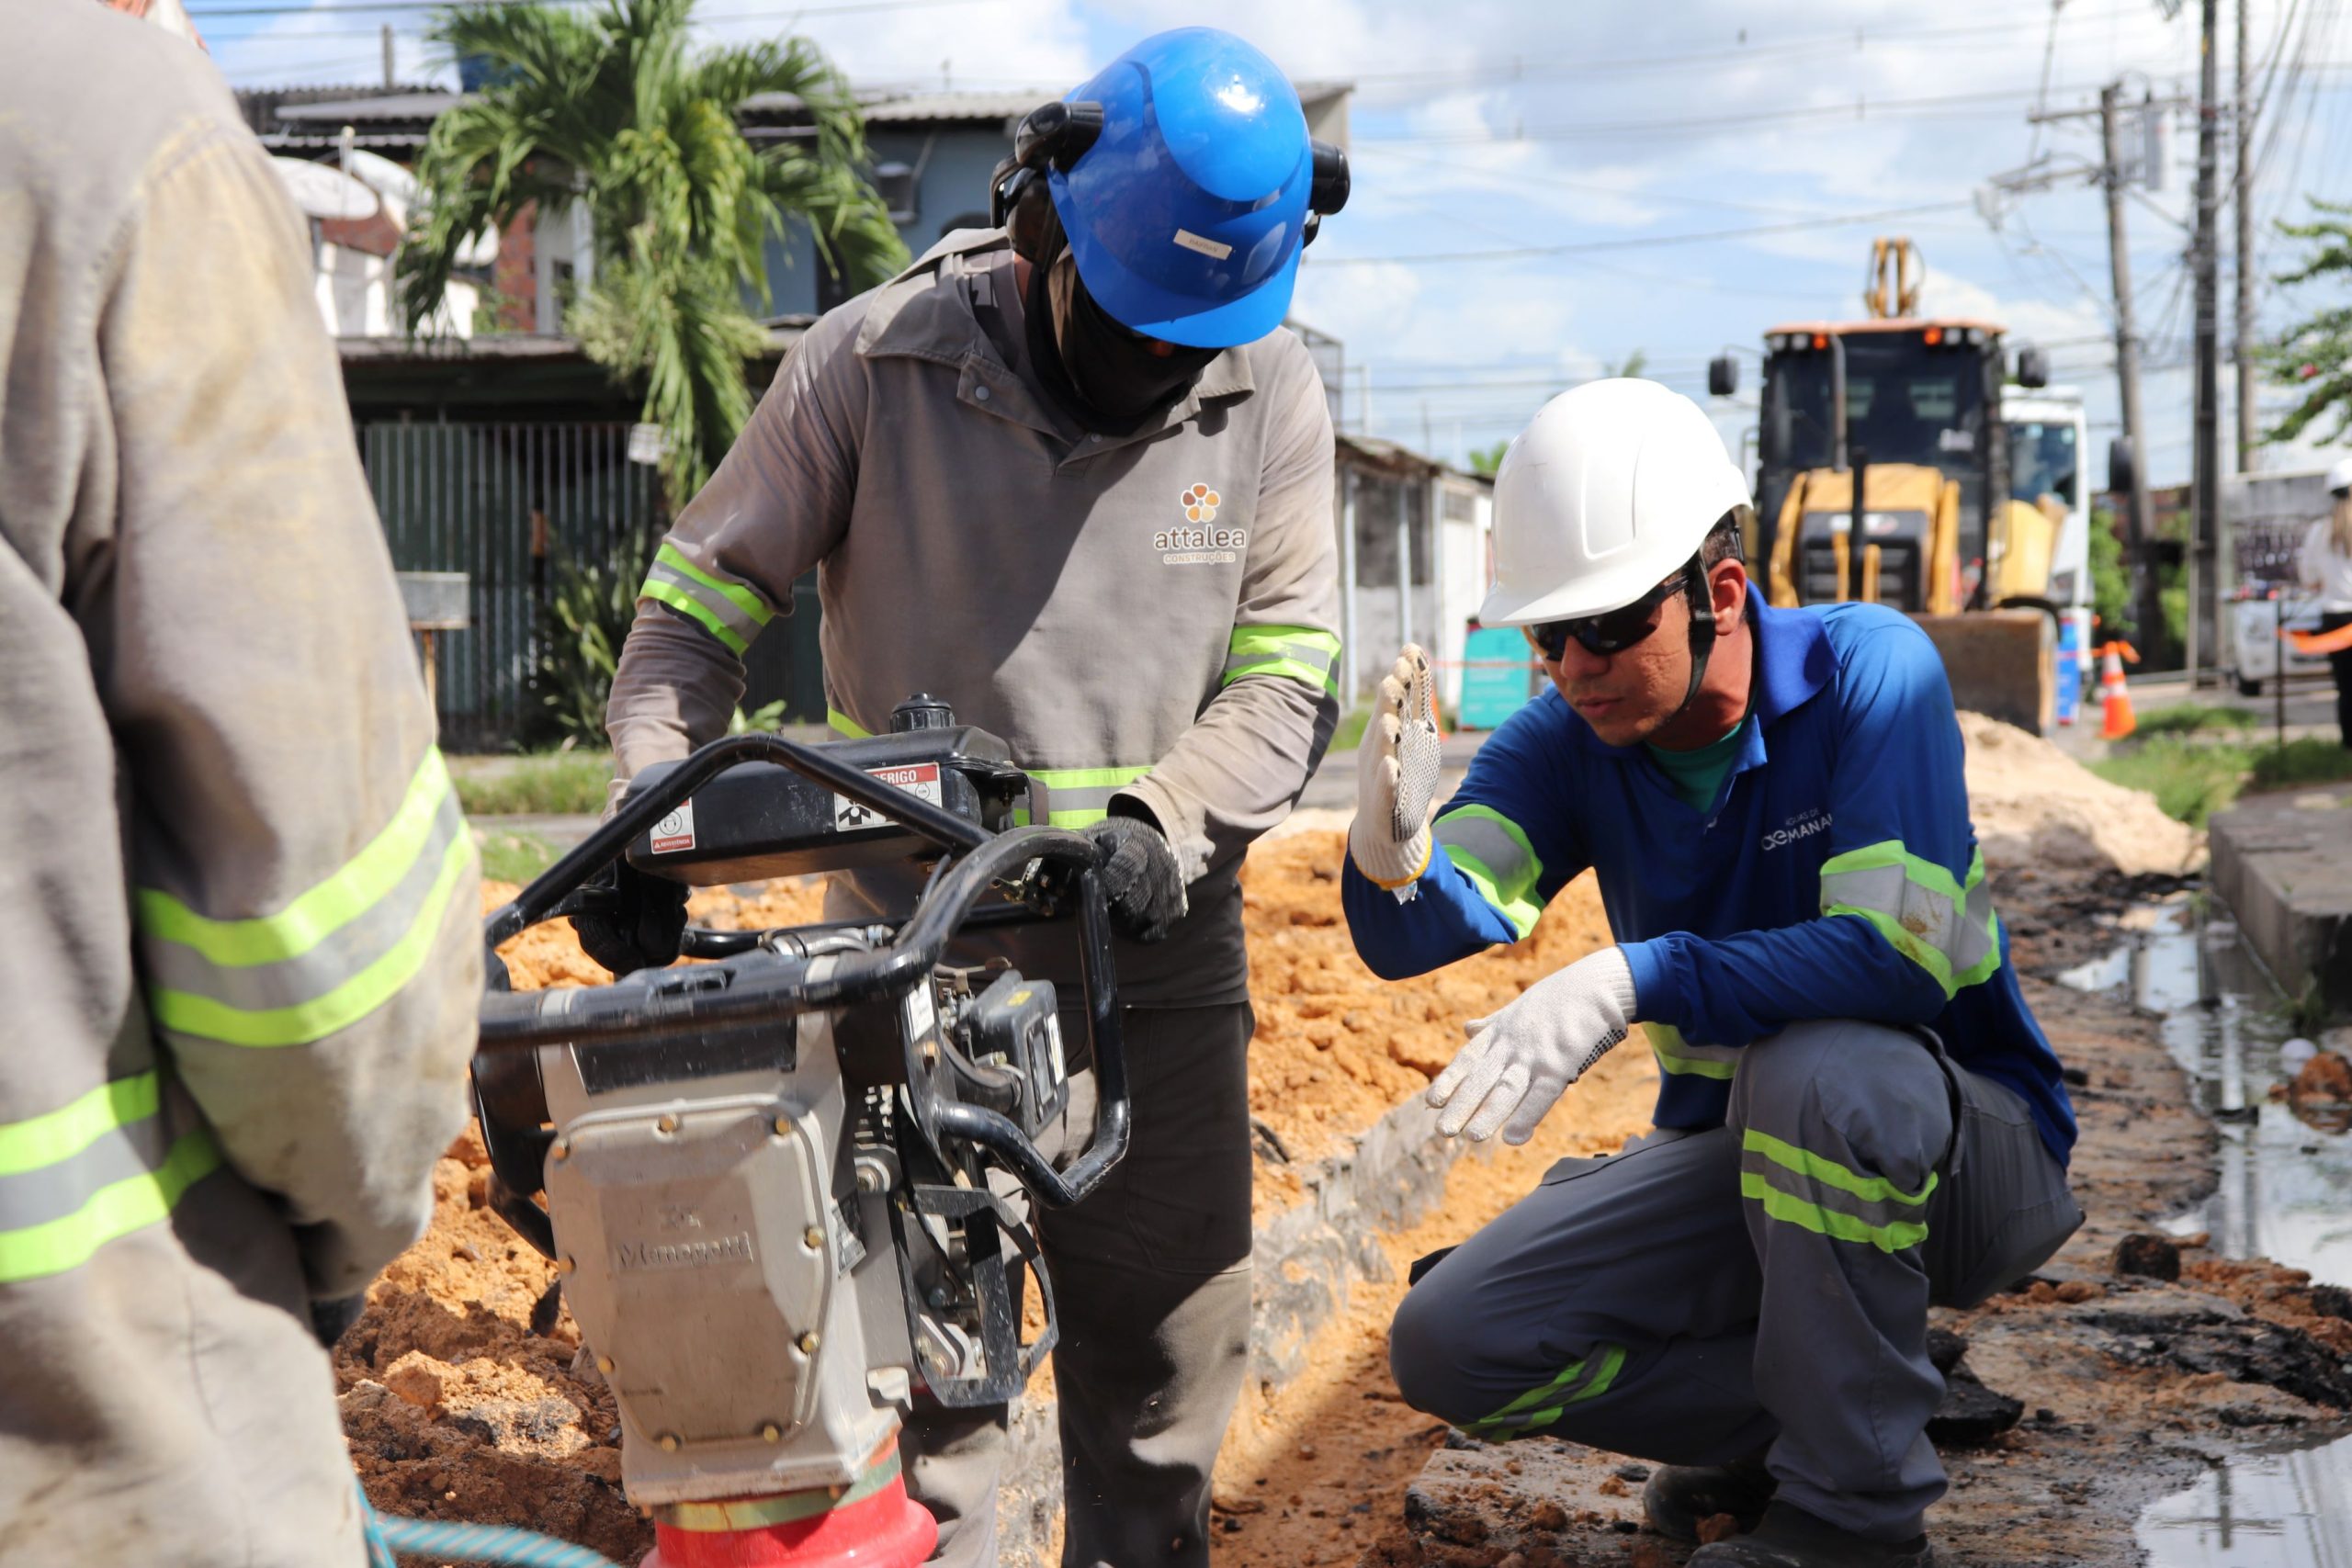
pixel 2112 173
pixel 2205 495
pixel 2249 436
pixel 2126 334
pixel 390 80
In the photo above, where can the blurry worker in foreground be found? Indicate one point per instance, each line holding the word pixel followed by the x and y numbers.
pixel 2325 566
pixel 1069 476
pixel 238 937
pixel 1857 1116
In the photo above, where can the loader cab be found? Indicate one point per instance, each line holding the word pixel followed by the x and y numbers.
pixel 1921 415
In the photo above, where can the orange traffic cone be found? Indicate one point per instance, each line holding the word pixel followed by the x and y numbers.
pixel 2116 720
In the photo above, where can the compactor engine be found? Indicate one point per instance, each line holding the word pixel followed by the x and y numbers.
pixel 781 1187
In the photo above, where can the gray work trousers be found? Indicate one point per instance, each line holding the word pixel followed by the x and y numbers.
pixel 1699 1297
pixel 1150 1277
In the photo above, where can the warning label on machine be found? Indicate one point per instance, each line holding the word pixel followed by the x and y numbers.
pixel 675 831
pixel 915 778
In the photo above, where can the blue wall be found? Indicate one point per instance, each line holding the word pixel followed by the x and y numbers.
pixel 953 185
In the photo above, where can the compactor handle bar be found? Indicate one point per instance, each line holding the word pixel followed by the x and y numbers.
pixel 513 1020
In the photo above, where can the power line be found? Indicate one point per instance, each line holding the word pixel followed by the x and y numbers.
pixel 1639 242
pixel 1860 109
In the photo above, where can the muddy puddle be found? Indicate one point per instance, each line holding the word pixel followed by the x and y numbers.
pixel 2284 1192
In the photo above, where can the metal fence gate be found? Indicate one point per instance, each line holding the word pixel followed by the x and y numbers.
pixel 508 504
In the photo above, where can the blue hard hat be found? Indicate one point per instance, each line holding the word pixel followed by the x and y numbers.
pixel 1187 215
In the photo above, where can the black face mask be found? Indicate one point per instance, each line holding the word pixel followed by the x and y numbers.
pixel 1109 378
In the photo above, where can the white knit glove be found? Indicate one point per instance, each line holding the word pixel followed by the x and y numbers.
pixel 1519 1060
pixel 1396 769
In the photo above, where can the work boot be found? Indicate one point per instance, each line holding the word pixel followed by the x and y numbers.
pixel 1788 1537
pixel 1679 1495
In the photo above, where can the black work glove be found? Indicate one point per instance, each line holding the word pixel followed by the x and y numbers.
pixel 643 931
pixel 1140 881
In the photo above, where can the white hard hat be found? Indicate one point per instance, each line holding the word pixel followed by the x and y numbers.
pixel 2339 478
pixel 1613 486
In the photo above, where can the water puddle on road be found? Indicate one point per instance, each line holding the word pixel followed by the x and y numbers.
pixel 2285 1193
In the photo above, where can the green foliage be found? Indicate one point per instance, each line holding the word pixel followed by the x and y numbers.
pixel 561 784
pixel 2190 780
pixel 2306 762
pixel 514 857
pixel 1630 366
pixel 590 604
pixel 2110 583
pixel 611 107
pixel 2190 718
pixel 1487 459
pixel 1349 734
pixel 2193 779
pixel 767 718
pixel 2314 355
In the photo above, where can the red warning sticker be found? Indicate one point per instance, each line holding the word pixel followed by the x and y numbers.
pixel 675 831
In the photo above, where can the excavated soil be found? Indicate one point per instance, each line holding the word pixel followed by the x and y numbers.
pixel 2034 805
pixel 458 1399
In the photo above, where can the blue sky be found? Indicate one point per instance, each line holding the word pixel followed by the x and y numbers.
pixel 1532 178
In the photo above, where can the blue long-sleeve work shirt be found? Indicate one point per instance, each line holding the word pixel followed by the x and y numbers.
pixel 1836 873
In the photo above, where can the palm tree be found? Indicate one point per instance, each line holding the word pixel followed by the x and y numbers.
pixel 613 108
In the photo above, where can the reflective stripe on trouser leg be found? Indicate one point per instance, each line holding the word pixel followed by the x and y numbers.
pixel 1841 1127
pixel 1613 1305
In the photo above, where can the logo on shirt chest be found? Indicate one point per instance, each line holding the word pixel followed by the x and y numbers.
pixel 1802 825
pixel 1200 542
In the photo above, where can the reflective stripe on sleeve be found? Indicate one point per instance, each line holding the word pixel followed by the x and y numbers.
pixel 1952 933
pixel 1800 1188
pixel 1079 797
pixel 1677 1056
pixel 731 611
pixel 1492 850
pixel 80 1176
pixel 1294 653
pixel 328 959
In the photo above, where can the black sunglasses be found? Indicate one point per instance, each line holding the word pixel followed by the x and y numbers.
pixel 1610 632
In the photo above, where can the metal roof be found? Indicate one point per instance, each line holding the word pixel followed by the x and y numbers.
pixel 425 105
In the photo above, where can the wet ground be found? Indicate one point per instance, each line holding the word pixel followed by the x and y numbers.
pixel 2283 1192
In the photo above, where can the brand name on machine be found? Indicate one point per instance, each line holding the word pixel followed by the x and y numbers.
pixel 637 1254
pixel 1200 545
pixel 1804 825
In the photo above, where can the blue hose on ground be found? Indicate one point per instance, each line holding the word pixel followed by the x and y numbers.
pixel 388 1534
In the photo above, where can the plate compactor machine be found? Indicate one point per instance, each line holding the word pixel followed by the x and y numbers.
pixel 774 1185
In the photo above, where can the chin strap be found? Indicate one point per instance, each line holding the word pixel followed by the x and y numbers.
pixel 1701 599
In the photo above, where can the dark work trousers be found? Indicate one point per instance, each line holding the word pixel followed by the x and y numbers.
pixel 1699 1297
pixel 2339 664
pixel 1150 1277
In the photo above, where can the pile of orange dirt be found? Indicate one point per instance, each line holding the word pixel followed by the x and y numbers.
pixel 460 1399
pixel 2034 805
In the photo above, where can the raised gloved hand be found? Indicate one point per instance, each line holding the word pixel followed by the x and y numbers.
pixel 1396 768
pixel 1520 1059
pixel 1141 881
pixel 643 928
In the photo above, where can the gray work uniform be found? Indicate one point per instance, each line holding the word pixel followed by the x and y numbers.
pixel 1151 617
pixel 238 904
pixel 1663 1302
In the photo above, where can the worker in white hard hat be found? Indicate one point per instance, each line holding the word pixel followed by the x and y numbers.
pixel 1857 1115
pixel 2325 566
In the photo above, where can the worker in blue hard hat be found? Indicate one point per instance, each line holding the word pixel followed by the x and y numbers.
pixel 1052 443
